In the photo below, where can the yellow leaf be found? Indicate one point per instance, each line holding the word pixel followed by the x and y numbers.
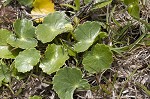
pixel 41 8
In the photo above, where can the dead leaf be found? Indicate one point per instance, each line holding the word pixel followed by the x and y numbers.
pixel 41 8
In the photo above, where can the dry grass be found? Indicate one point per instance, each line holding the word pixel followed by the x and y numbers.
pixel 122 81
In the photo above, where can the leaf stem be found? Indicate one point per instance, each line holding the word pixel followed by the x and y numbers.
pixel 9 88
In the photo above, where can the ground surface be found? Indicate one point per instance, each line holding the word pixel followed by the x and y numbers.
pixel 125 79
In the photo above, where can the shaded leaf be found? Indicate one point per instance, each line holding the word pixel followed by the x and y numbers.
pixel 54 24
pixel 103 35
pixel 4 73
pixel 98 59
pixel 24 35
pixel 55 57
pixel 27 59
pixel 41 9
pixel 67 80
pixel 85 35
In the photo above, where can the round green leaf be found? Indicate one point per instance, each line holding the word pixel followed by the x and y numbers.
pixel 24 35
pixel 85 35
pixel 24 28
pixel 27 59
pixel 4 35
pixel 53 24
pixel 98 59
pixel 55 57
pixel 67 80
pixel 23 43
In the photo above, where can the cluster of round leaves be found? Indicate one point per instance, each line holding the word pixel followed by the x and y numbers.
pixel 24 42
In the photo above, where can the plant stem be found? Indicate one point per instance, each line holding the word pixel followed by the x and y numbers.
pixel 9 88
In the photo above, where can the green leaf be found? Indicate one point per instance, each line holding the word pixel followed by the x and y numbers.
pixel 26 2
pixel 128 2
pixel 55 57
pixel 85 35
pixel 103 35
pixel 4 35
pixel 27 59
pixel 67 80
pixel 7 52
pixel 53 24
pixel 134 10
pixel 4 73
pixel 101 3
pixel 87 1
pixel 35 97
pixel 98 59
pixel 77 3
pixel 23 43
pixel 24 28
pixel 24 35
